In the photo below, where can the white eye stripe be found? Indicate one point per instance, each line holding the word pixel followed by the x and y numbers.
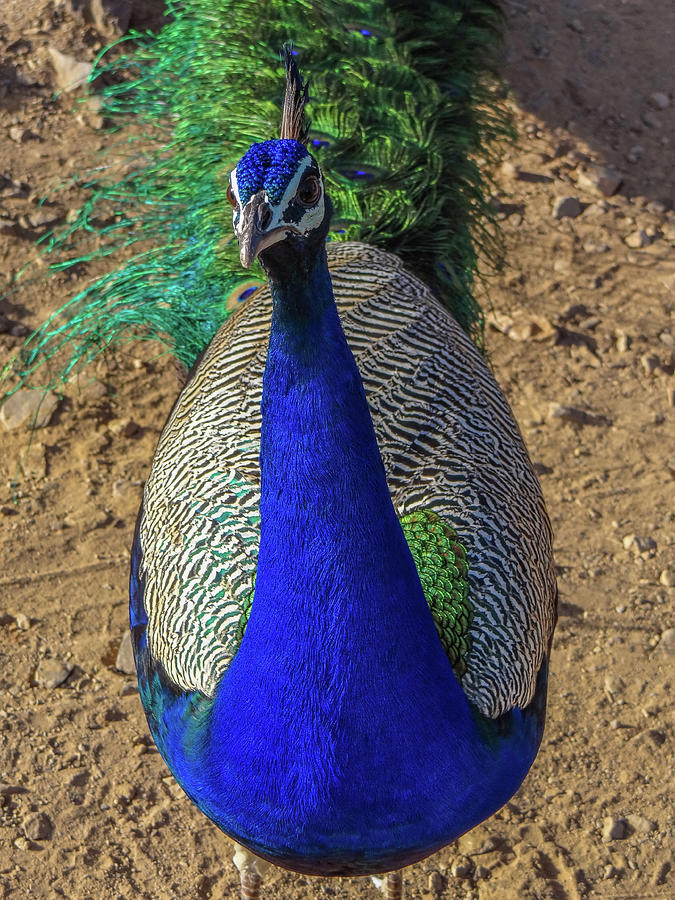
pixel 310 219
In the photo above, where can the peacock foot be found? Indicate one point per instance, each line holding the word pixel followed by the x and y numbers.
pixel 251 871
pixel 390 884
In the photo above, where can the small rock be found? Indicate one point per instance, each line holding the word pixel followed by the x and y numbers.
pixel 461 868
pixel 660 100
pixel 436 882
pixel 44 218
pixel 650 363
pixel 38 827
pixel 640 824
pixel 110 17
pixel 481 872
pixel 34 461
pixel 661 872
pixel 667 578
pixel 50 673
pixel 599 178
pixel 667 338
pixel 20 135
pixel 22 843
pixel 622 341
pixel 125 656
pixel 613 829
pixel 574 415
pixel 566 208
pixel 650 120
pixel 667 642
pixel 27 407
pixel 638 543
pixel 650 737
pixel 637 239
pixel 635 153
pixel 79 779
pixel 22 622
pixel 576 25
pixel 131 429
pixel 70 72
pixel 8 790
pixel 128 689
pixel 609 872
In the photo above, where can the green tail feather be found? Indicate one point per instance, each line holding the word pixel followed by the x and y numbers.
pixel 401 103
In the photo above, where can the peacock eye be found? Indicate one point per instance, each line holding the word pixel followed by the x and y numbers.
pixel 231 199
pixel 309 190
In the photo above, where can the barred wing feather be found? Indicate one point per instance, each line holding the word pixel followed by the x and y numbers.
pixel 448 441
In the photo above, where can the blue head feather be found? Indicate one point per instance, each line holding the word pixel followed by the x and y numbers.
pixel 269 165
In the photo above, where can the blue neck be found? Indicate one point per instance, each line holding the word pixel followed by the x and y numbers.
pixel 339 739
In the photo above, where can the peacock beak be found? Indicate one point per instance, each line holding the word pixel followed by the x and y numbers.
pixel 254 233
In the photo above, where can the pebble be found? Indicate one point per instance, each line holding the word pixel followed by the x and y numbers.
pixel 574 415
pixel 640 824
pixel 38 827
pixel 638 543
pixel 600 178
pixel 436 882
pixel 622 341
pixel 660 100
pixel 27 407
pixel 667 578
pixel 650 120
pixel 70 72
pixel 50 673
pixel 20 135
pixel 44 218
pixel 566 208
pixel 481 872
pixel 637 239
pixel 9 790
pixel 650 738
pixel 650 363
pixel 661 872
pixel 613 829
pixel 125 656
pixel 635 153
pixel 22 621
pixel 667 642
pixel 110 17
pixel 34 460
pixel 462 868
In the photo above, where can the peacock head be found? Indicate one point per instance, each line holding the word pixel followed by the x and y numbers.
pixel 276 190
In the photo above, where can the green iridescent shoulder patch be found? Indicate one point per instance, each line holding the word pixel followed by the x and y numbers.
pixel 443 568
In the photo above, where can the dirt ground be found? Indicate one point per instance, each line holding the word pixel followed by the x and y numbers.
pixel 582 341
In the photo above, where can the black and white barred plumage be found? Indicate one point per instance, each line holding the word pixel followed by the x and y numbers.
pixel 449 443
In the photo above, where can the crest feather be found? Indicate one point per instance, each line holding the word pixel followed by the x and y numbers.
pixel 294 125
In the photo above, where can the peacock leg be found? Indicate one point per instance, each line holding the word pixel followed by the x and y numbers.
pixel 393 885
pixel 390 884
pixel 250 884
pixel 251 869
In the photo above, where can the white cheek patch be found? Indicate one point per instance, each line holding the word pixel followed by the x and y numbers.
pixel 236 212
pixel 310 219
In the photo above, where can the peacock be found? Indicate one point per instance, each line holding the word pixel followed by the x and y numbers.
pixel 342 593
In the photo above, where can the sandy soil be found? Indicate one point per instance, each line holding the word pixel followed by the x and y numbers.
pixel 583 343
